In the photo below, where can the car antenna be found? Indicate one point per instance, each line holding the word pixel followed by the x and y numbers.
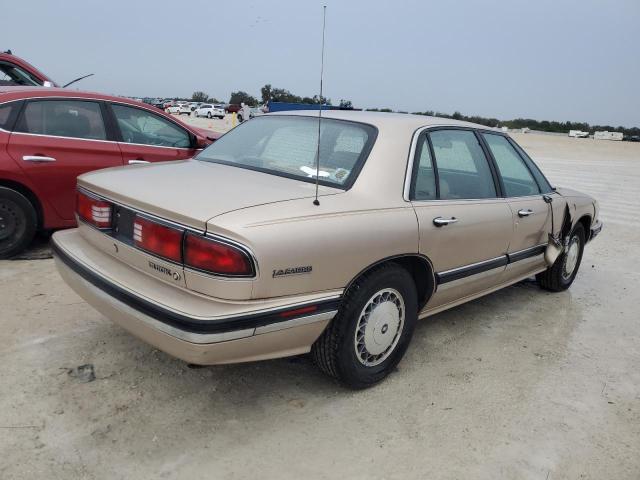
pixel 76 80
pixel 324 21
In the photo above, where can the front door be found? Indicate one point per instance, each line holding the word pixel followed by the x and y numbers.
pixel 56 140
pixel 531 214
pixel 465 227
pixel 147 137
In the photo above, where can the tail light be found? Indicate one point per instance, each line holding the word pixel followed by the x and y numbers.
pixel 158 239
pixel 94 211
pixel 216 257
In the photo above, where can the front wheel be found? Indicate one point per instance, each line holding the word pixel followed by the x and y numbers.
pixel 372 329
pixel 208 114
pixel 18 222
pixel 560 275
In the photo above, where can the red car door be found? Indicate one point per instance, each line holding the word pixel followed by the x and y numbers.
pixel 55 140
pixel 148 137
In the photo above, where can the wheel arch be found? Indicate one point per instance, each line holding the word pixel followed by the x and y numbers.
pixel 419 267
pixel 585 221
pixel 28 193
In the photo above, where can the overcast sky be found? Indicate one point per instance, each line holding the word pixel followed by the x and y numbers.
pixel 545 59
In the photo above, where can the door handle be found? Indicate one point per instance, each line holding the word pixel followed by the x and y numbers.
pixel 525 212
pixel 440 222
pixel 137 161
pixel 38 158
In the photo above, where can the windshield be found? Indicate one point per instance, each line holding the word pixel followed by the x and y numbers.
pixel 288 145
pixel 13 75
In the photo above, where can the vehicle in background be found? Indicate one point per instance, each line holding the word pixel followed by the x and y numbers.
pixel 632 138
pixel 176 107
pixel 209 110
pixel 194 105
pixel 578 134
pixel 243 254
pixel 232 108
pixel 605 135
pixel 168 103
pixel 16 71
pixel 253 112
pixel 158 103
pixel 50 136
pixel 184 108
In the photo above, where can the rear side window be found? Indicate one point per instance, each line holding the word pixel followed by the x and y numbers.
pixel 143 127
pixel 63 118
pixel 463 170
pixel 516 177
pixel 424 183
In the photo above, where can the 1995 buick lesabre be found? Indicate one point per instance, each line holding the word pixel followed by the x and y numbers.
pixel 227 257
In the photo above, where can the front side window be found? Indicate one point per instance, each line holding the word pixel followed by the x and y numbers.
pixel 543 183
pixel 143 127
pixel 516 177
pixel 288 146
pixel 463 170
pixel 424 183
pixel 63 118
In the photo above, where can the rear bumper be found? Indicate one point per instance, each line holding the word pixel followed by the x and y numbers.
pixel 248 334
pixel 596 228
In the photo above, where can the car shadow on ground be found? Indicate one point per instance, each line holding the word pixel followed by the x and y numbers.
pixel 39 249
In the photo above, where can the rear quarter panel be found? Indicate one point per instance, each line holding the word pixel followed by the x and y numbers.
pixel 337 242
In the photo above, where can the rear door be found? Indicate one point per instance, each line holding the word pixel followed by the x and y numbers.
pixel 531 215
pixel 465 226
pixel 146 137
pixel 55 140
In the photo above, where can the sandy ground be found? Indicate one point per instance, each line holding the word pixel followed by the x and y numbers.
pixel 521 384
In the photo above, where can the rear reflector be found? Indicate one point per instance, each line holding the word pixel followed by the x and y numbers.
pixel 215 257
pixel 158 239
pixel 92 210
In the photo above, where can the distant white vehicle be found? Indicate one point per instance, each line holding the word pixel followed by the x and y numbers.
pixel 179 108
pixel 608 136
pixel 253 112
pixel 209 110
pixel 578 134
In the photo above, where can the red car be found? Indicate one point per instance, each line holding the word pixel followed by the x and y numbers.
pixel 16 71
pixel 49 136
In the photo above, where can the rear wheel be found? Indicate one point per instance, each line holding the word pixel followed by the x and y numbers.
pixel 372 330
pixel 18 222
pixel 560 275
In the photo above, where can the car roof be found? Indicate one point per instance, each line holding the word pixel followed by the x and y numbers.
pixel 384 120
pixel 18 92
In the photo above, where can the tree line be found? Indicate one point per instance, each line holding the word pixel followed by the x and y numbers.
pixel 269 93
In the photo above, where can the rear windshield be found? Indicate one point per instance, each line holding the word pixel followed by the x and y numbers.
pixel 288 146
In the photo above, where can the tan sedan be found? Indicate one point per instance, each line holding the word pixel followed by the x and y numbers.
pixel 230 257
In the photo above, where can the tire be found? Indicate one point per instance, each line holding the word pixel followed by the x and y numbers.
pixel 342 351
pixel 239 118
pixel 556 278
pixel 18 222
pixel 221 118
pixel 208 114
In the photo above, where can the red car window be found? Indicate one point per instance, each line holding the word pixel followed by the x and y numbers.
pixel 63 118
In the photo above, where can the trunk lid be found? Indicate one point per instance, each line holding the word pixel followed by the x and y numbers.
pixel 191 192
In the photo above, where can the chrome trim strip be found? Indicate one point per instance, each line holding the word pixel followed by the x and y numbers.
pixel 471 265
pixel 101 141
